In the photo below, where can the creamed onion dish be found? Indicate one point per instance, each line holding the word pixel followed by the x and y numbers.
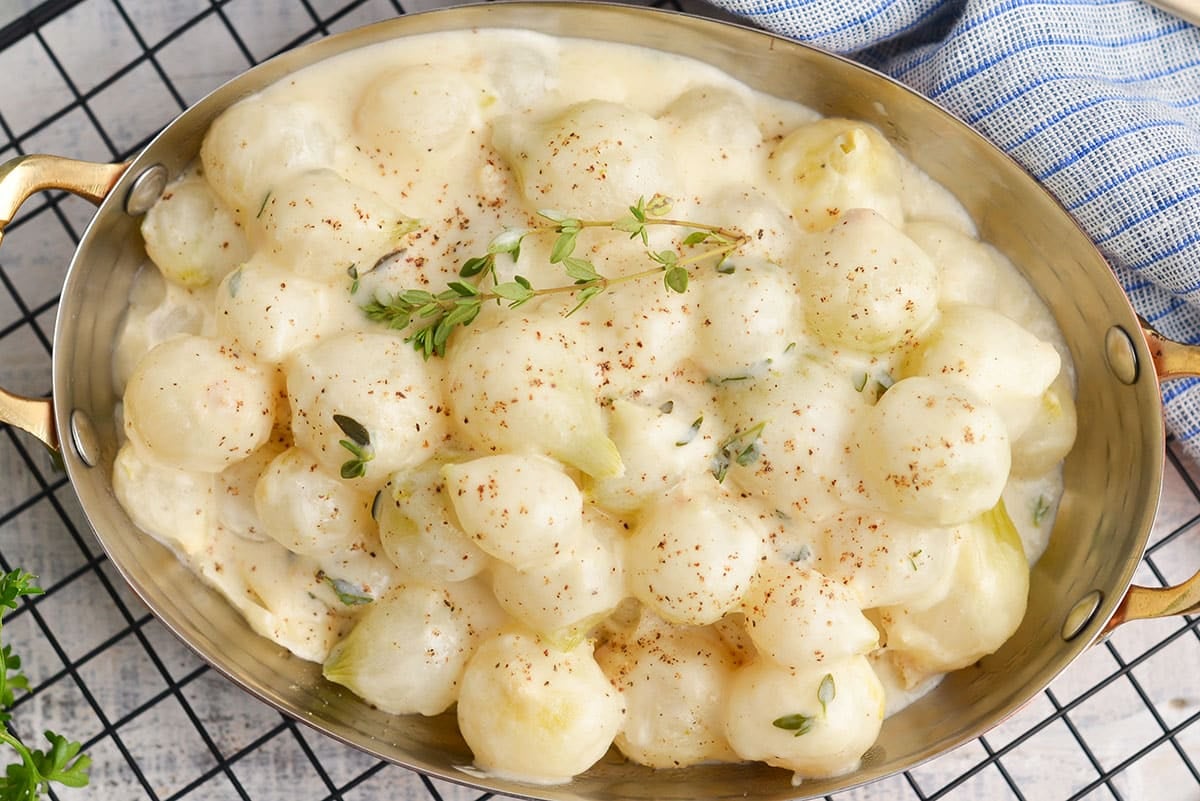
pixel 582 390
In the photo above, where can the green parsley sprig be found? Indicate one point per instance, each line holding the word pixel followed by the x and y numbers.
pixel 62 763
pixel 431 317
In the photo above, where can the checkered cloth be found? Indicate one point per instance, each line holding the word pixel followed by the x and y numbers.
pixel 1098 99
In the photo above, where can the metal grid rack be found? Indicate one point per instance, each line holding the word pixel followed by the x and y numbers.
pixel 96 79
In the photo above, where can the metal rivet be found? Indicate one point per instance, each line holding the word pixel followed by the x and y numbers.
pixel 1122 356
pixel 1081 614
pixel 146 189
pixel 84 439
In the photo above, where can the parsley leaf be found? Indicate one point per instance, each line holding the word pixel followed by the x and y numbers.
pixel 30 777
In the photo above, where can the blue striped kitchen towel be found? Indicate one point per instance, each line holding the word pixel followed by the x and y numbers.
pixel 1099 99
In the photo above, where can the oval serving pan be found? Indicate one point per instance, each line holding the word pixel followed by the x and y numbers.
pixel 1080 589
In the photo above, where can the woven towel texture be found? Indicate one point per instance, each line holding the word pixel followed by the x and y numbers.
pixel 1098 99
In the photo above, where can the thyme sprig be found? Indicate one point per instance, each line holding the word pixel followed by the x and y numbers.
pixel 433 316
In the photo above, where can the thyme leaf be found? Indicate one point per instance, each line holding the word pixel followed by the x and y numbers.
pixel 878 383
pixel 912 558
pixel 826 692
pixel 676 278
pixel 797 724
pixel 691 433
pixel 352 429
pixel 359 445
pixel 1040 510
pixel 882 384
pixel 564 246
pixel 585 295
pixel 517 291
pixel 348 593
pixel 580 269
pixel 667 258
pixel 508 242
pixel 476 265
pixel 658 205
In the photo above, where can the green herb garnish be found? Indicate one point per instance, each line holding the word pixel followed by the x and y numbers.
pixel 1040 510
pixel 359 445
pixel 741 447
pixel 826 692
pixel 348 593
pixel 882 384
pixel 352 271
pixel 692 431
pixel 797 724
pixel 266 199
pixel 433 317
pixel 30 778
pixel 879 383
pixel 802 724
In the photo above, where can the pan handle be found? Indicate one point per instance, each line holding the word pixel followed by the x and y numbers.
pixel 1171 360
pixel 1141 603
pixel 19 179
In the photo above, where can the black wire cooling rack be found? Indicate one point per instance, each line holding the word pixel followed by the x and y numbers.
pixel 96 79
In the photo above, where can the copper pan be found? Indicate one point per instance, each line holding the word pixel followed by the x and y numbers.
pixel 1081 588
